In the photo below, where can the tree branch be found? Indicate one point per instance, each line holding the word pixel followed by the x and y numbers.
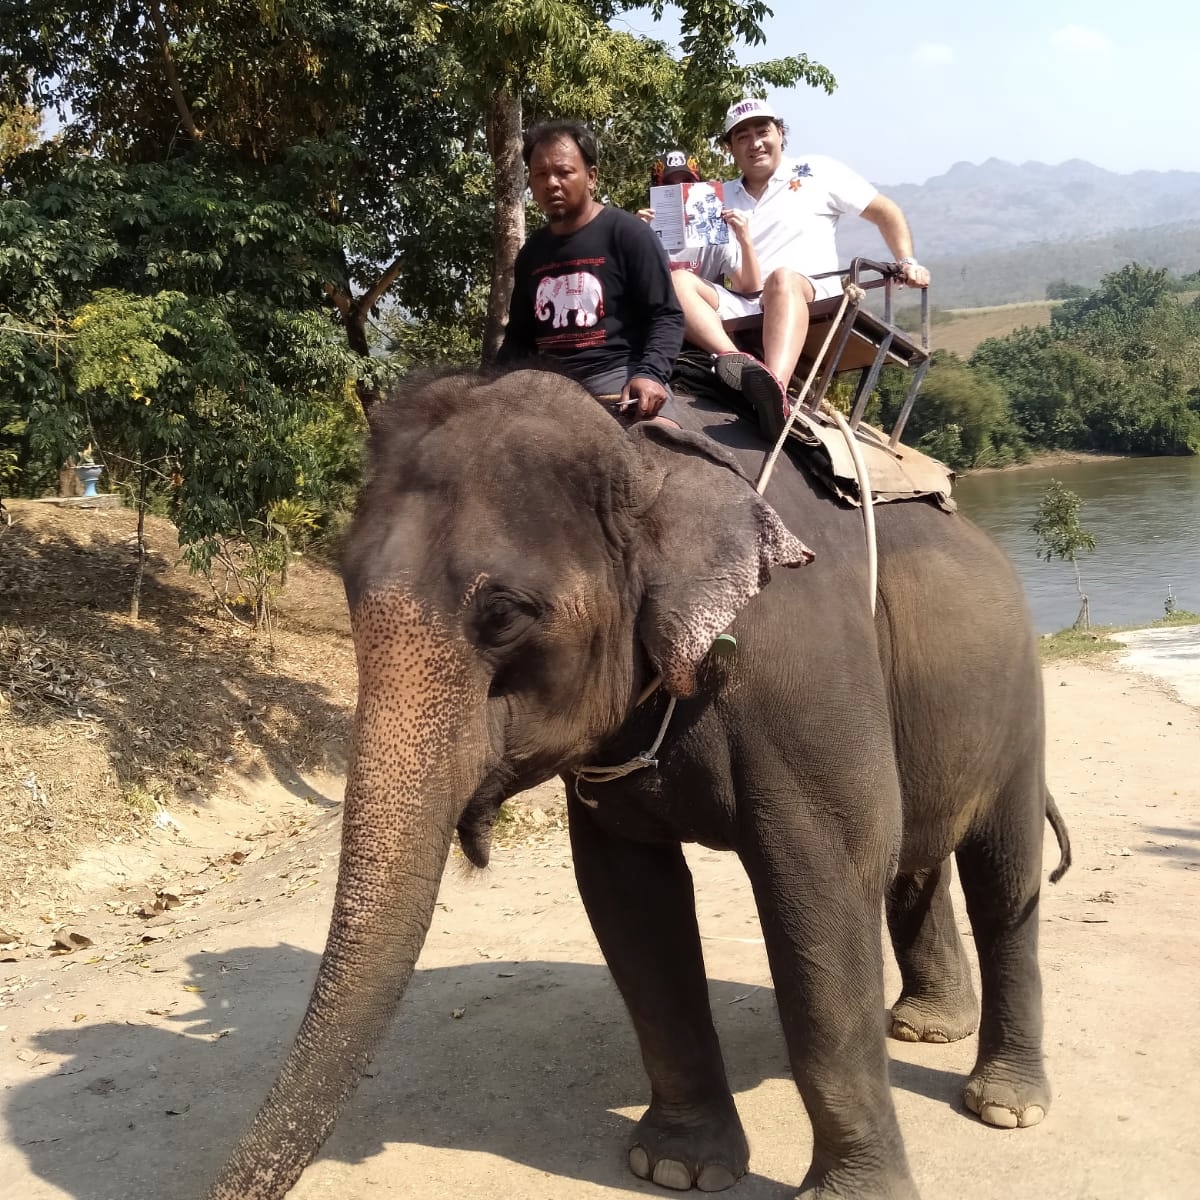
pixel 181 105
pixel 341 300
pixel 375 292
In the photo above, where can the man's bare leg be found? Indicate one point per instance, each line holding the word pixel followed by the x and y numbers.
pixel 785 302
pixel 701 324
pixel 702 327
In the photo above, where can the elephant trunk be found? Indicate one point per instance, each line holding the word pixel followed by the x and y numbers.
pixel 412 768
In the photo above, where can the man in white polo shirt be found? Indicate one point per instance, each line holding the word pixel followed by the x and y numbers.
pixel 794 206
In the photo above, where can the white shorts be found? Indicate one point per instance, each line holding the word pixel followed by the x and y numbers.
pixel 732 304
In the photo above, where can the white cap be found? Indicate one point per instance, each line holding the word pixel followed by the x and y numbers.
pixel 748 110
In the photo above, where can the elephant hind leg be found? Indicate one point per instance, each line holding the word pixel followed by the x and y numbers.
pixel 937 1000
pixel 1001 880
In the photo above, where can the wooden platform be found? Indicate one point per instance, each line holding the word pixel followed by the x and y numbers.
pixel 863 342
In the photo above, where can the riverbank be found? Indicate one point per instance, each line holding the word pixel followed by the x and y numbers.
pixel 1169 655
pixel 1056 458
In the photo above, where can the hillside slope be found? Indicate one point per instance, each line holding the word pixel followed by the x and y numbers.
pixel 961 330
pixel 108 725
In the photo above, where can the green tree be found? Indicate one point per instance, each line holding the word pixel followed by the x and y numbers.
pixel 1122 294
pixel 1118 370
pixel 961 415
pixel 250 202
pixel 1060 534
pixel 397 120
pixel 206 391
pixel 1060 289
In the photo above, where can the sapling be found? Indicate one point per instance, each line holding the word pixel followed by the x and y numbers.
pixel 1060 535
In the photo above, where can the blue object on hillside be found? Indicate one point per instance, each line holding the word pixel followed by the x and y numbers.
pixel 88 474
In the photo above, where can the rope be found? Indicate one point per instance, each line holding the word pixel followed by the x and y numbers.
pixel 637 763
pixel 849 291
pixel 867 498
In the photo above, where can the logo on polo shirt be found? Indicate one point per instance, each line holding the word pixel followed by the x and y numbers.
pixel 800 172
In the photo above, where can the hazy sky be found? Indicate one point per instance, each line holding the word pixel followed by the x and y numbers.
pixel 923 84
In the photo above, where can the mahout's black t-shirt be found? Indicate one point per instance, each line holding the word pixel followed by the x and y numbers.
pixel 595 300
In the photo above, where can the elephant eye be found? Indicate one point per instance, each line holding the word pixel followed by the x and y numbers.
pixel 501 618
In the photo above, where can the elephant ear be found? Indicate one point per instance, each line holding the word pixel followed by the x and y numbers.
pixel 706 543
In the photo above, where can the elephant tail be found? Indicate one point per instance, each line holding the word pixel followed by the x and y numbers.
pixel 1060 832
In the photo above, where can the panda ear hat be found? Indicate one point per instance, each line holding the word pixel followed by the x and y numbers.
pixel 674 166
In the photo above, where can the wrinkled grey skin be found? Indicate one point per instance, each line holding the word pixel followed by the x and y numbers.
pixel 520 567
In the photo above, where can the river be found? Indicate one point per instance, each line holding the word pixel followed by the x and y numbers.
pixel 1144 514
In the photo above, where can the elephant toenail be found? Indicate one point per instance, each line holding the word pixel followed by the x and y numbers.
pixel 1031 1116
pixel 715 1178
pixel 999 1115
pixel 639 1162
pixel 671 1174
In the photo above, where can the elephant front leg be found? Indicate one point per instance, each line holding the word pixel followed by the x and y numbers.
pixel 819 904
pixel 640 902
pixel 937 1001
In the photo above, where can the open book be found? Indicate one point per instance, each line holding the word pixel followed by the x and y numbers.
pixel 687 216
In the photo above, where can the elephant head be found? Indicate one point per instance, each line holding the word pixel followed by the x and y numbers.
pixel 518 568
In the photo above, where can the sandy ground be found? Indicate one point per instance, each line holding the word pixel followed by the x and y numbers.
pixel 127 1067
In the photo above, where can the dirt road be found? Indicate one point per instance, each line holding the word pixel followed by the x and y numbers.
pixel 128 1067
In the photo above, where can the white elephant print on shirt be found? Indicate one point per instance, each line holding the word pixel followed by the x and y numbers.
pixel 559 296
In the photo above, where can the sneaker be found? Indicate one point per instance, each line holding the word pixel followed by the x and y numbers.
pixel 759 384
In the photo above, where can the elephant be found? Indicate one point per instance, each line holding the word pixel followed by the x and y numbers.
pixel 531 587
pixel 577 295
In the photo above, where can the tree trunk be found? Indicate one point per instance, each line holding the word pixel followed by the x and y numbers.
pixel 356 311
pixel 135 600
pixel 356 334
pixel 508 218
pixel 1084 620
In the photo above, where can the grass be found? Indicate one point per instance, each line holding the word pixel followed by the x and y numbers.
pixel 967 327
pixel 1176 618
pixel 1077 643
pixel 1070 644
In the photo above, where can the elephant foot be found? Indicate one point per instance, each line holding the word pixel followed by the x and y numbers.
pixel 1006 1097
pixel 681 1148
pixel 916 1019
pixel 859 1183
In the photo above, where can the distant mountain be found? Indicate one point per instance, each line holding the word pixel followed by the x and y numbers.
pixel 998 233
pixel 996 204
pixel 1022 272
